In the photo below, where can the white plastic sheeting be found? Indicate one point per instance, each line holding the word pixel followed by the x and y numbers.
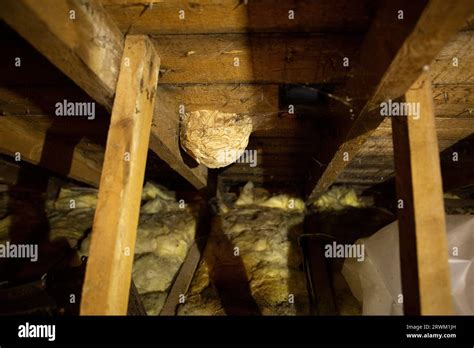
pixel 376 281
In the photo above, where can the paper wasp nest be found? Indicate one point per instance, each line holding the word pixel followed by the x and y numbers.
pixel 214 138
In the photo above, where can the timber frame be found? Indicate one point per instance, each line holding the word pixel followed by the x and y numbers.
pixel 120 72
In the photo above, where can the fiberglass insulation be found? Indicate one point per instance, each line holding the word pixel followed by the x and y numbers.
pixel 253 247
pixel 164 235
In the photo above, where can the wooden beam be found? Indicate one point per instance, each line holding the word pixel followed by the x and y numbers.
pixel 258 101
pixel 164 141
pixel 402 49
pixel 188 268
pixel 108 274
pixel 182 281
pixel 444 70
pixel 38 143
pixel 265 58
pixel 426 282
pixel 374 163
pixel 162 17
pixel 76 36
pixel 317 270
pixel 454 100
pixel 36 103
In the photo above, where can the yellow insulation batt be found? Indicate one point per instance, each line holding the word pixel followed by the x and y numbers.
pixel 252 251
pixel 165 232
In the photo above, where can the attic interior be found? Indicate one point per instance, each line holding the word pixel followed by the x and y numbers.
pixel 115 115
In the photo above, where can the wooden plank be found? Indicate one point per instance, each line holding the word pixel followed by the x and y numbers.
pixel 183 279
pixel 383 146
pixel 453 129
pixel 316 266
pixel 108 274
pixel 259 102
pixel 9 172
pixel 235 98
pixel 164 141
pixel 374 163
pixel 426 281
pixel 402 49
pixel 243 168
pixel 264 179
pixel 454 100
pixel 40 100
pixel 446 71
pixel 74 157
pixel 87 48
pixel 266 58
pixel 235 16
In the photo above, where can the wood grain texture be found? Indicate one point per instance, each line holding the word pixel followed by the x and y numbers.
pixel 402 50
pixel 374 162
pixel 258 101
pixel 453 129
pixel 454 100
pixel 164 142
pixel 39 143
pixel 426 283
pixel 444 70
pixel 182 281
pixel 235 16
pixel 109 267
pixel 267 58
pixel 87 49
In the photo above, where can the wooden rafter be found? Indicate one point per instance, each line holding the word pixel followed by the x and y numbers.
pixel 423 242
pixel 32 140
pixel 136 16
pixel 109 268
pixel 393 55
pixel 76 36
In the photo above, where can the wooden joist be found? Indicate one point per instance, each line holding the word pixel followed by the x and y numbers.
pixel 393 55
pixel 40 100
pixel 40 142
pixel 109 267
pixel 164 141
pixel 423 242
pixel 267 58
pixel 258 101
pixel 76 36
pixel 237 16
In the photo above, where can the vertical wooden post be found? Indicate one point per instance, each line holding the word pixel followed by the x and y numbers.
pixel 109 268
pixel 421 218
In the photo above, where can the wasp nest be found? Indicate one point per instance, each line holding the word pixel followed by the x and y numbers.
pixel 214 138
